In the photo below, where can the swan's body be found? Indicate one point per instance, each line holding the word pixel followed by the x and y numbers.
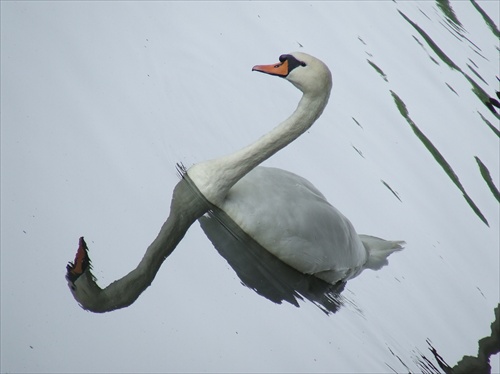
pixel 283 212
pixel 289 217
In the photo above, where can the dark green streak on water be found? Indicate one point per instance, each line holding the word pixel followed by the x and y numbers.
pixel 423 47
pixel 390 189
pixel 477 74
pixel 357 123
pixel 453 21
pixel 451 88
pixel 478 91
pixel 437 155
pixel 447 10
pixel 487 19
pixel 378 70
pixel 487 178
pixel 490 125
pixel 431 43
pixel 357 150
pixel 473 63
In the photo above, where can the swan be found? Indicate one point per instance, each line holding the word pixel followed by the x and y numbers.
pixel 280 210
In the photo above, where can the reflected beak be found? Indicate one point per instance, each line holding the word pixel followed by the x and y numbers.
pixel 280 69
pixel 81 263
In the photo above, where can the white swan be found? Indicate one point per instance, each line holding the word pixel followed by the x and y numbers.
pixel 283 212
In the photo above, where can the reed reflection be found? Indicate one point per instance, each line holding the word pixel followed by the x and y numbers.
pixel 488 347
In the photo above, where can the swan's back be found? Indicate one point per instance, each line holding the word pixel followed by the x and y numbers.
pixel 289 217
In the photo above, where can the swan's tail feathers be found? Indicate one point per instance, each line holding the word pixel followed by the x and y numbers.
pixel 378 250
pixel 82 262
pixel 181 169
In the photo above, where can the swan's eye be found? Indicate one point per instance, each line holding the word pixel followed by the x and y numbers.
pixel 292 61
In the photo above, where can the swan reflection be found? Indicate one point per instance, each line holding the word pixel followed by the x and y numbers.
pixel 263 272
pixel 280 210
pixel 186 207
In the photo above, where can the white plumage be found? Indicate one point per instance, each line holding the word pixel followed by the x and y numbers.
pixel 289 217
pixel 281 211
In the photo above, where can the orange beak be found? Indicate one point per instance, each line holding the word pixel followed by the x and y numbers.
pixel 280 69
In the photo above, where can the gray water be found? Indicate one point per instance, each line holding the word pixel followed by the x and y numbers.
pixel 99 102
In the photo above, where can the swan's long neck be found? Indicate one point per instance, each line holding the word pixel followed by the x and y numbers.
pixel 210 181
pixel 246 159
pixel 214 178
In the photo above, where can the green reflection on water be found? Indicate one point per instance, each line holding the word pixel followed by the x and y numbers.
pixel 487 19
pixel 490 125
pixel 431 43
pixel 476 74
pixel 487 178
pixel 447 10
pixel 437 155
pixel 377 69
pixel 451 88
pixel 390 189
pixel 478 91
pixel 357 123
pixel 357 150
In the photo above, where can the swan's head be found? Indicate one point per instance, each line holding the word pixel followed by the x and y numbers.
pixel 304 71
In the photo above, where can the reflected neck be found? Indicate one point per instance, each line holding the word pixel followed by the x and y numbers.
pixel 187 205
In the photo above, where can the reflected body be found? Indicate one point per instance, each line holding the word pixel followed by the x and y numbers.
pixel 264 273
pixel 282 212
